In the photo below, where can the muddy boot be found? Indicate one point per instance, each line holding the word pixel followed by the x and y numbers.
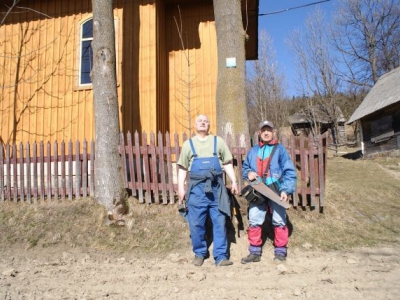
pixel 251 258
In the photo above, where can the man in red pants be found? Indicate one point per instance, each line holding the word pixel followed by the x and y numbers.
pixel 269 162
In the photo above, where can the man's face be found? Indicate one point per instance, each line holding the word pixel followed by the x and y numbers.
pixel 266 134
pixel 202 124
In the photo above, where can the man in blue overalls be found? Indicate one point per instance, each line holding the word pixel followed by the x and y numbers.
pixel 206 157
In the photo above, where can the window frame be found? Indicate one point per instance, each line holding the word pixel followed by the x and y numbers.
pixel 81 41
pixel 85 86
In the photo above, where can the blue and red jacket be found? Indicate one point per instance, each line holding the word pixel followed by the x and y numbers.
pixel 281 169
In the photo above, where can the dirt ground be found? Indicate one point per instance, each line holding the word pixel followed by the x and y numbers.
pixel 56 273
pixel 38 271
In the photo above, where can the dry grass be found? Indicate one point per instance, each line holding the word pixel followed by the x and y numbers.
pixel 150 229
pixel 362 206
pixel 362 209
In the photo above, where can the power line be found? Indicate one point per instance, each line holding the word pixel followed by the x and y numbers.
pixel 292 8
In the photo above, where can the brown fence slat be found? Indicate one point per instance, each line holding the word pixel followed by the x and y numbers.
pixel 84 173
pixel 168 153
pixel 48 165
pixel 15 172
pixel 321 160
pixel 77 171
pixel 311 160
pixel 35 173
pixel 55 171
pixel 146 168
pixel 63 172
pixel 153 168
pixel 8 171
pixel 92 162
pixel 131 161
pixel 21 174
pixel 139 167
pixel 28 174
pixel 41 169
pixel 123 158
pixel 2 186
pixel 162 171
pixel 303 168
pixel 70 170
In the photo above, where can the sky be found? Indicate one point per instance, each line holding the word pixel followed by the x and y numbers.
pixel 280 25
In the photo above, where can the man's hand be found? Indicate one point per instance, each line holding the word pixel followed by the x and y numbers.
pixel 181 184
pixel 234 188
pixel 181 195
pixel 284 196
pixel 252 175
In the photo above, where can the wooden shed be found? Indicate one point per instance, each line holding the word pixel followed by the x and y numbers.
pixel 46 92
pixel 379 116
pixel 319 116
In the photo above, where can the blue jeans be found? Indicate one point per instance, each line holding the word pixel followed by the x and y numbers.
pixel 201 204
pixel 257 214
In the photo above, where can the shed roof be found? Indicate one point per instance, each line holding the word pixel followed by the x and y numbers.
pixel 385 92
pixel 321 115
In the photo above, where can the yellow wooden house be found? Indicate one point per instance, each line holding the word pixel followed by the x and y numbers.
pixel 45 62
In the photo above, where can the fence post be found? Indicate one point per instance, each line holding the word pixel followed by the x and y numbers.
pixel 28 173
pixel 146 169
pixel 63 172
pixel 77 171
pixel 84 172
pixel 139 167
pixel 153 168
pixel 56 185
pixel 48 161
pixel 169 168
pixel 92 162
pixel 162 172
pixel 35 174
pixel 70 171
pixel 21 173
pixel 2 174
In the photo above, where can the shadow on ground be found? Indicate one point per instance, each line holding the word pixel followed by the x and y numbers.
pixel 353 155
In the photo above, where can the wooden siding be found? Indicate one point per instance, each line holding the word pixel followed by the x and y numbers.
pixel 369 124
pixel 41 55
pixel 195 64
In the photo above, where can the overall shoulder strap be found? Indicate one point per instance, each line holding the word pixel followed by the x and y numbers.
pixel 215 145
pixel 192 146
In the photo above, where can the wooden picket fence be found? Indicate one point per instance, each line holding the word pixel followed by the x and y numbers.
pixel 45 177
pixel 150 173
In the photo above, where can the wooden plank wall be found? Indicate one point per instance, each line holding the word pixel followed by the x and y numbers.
pixel 48 104
pixel 192 65
pixel 42 54
pixel 392 143
pixel 45 104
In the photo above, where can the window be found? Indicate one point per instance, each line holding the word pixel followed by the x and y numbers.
pixel 382 129
pixel 86 53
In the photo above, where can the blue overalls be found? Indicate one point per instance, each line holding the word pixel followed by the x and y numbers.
pixel 202 194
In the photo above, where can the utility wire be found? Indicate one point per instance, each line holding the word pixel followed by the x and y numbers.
pixel 292 8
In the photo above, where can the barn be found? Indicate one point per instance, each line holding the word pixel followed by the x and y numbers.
pixel 379 116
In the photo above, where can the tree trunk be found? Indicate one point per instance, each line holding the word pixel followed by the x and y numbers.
pixel 231 84
pixel 109 189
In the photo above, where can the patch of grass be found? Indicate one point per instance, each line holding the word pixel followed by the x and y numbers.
pixel 362 208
